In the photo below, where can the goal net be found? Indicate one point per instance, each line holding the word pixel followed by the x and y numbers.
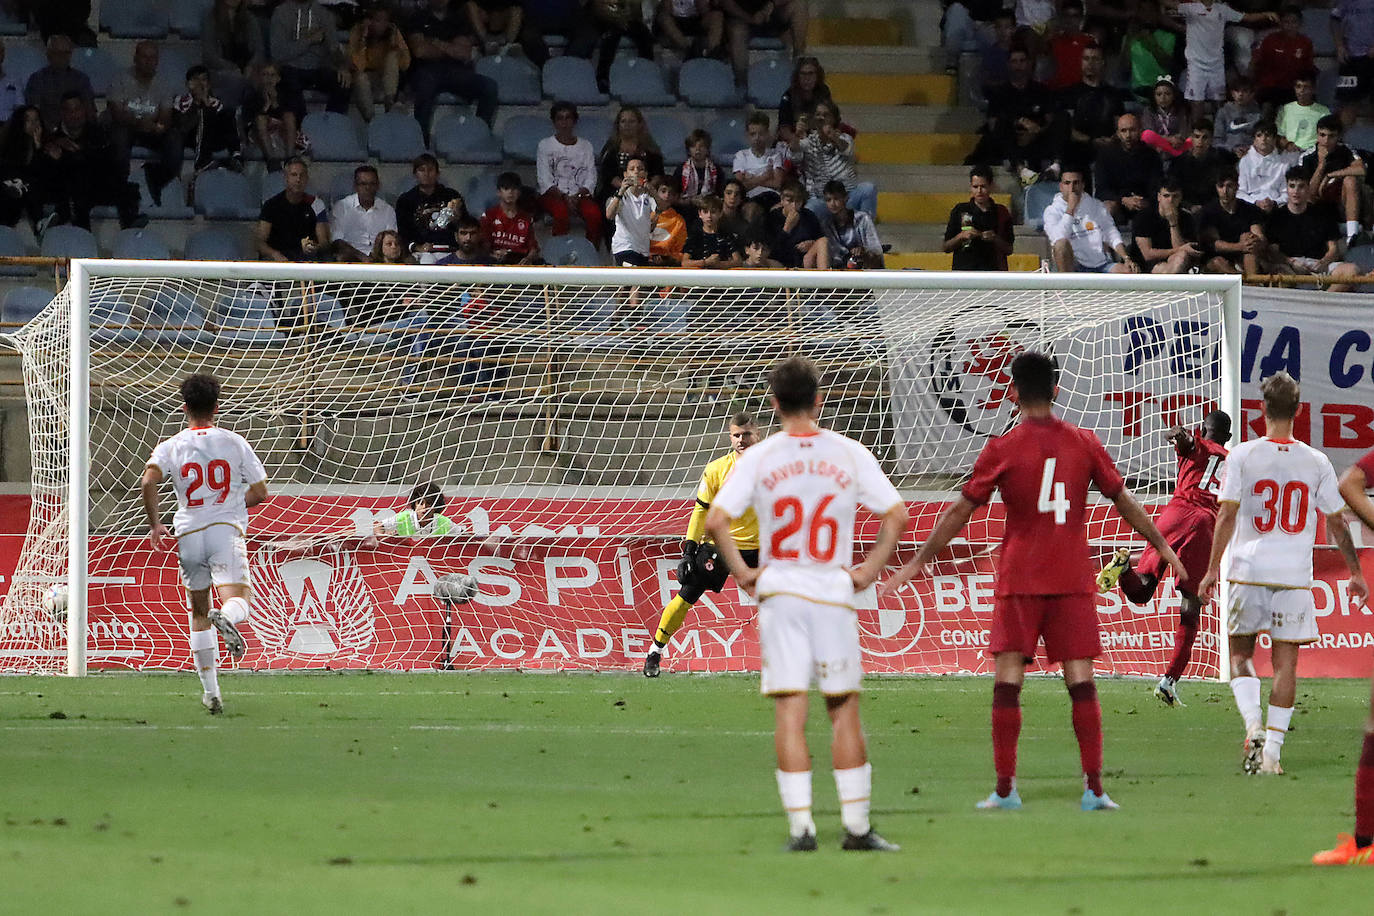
pixel 567 416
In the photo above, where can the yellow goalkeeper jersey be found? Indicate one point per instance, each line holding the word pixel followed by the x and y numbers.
pixel 744 529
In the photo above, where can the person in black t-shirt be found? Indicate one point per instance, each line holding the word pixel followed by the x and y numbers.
pixel 293 225
pixel 707 245
pixel 1166 235
pixel 1197 169
pixel 441 40
pixel 1019 99
pixel 979 233
pixel 797 240
pixel 1337 172
pixel 1092 108
pixel 1126 173
pixel 1231 230
pixel 428 212
pixel 1302 234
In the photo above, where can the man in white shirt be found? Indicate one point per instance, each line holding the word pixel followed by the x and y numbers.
pixel 1272 490
pixel 805 485
pixel 357 220
pixel 1263 169
pixel 1083 236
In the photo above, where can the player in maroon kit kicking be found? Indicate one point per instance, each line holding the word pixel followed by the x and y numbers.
pixel 1359 849
pixel 1043 468
pixel 1186 523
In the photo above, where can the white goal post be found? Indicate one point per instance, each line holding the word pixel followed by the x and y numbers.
pixel 578 366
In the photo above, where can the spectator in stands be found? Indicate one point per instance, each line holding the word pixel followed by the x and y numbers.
pixel 629 139
pixel 509 230
pixel 993 67
pixel 23 175
pixel 1066 43
pixel 1204 48
pixel 358 219
pixel 271 124
pixel 49 85
pixel 293 224
pixel 1297 121
pixel 1126 172
pixel 708 245
pixel 1166 234
pixel 1282 56
pixel 1165 125
pixel 11 93
pixel 795 232
pixel 670 224
pixel 631 211
pixel 1237 119
pixel 556 17
pixel 979 233
pixel 1336 174
pixel 1303 235
pixel 566 174
pixel 964 28
pixel 1352 27
pixel 306 49
pixel 425 215
pixel 850 235
pixel 1263 170
pixel 231 45
pixel 378 54
pixel 732 218
pixel 138 112
pixel 496 24
pixel 441 43
pixel 614 20
pixel 693 28
pixel 1034 16
pixel 1082 235
pixel 1150 47
pixel 201 123
pixel 758 254
pixel 1231 230
pixel 468 245
pixel 698 175
pixel 1091 108
pixel 87 168
pixel 388 249
pixel 1020 101
pixel 824 153
pixel 64 17
pixel 807 90
pixel 758 168
pixel 1196 170
pixel 786 19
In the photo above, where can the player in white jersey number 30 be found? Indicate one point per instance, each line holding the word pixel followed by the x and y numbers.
pixel 805 484
pixel 217 477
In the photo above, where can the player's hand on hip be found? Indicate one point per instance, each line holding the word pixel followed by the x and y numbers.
pixel 861 577
pixel 161 538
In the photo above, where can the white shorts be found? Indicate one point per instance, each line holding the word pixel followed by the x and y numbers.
pixel 1286 614
pixel 805 642
pixel 215 555
pixel 1202 85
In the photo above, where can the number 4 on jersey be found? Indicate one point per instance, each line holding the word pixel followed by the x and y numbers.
pixel 1052 498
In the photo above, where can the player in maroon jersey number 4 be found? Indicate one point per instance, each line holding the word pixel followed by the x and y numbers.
pixel 1043 468
pixel 1186 523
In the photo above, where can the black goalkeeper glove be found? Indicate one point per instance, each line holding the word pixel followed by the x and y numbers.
pixel 687 565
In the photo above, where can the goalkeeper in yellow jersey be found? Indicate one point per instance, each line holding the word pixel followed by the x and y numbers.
pixel 701 568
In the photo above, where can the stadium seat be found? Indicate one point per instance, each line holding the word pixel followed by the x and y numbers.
pixel 333 137
pixel 140 244
pixel 67 242
pixel 215 243
pixel 1038 196
pixel 98 65
pixel 571 251
pixel 1316 25
pixel 135 18
pixel 1360 137
pixel 727 138
pixel 175 317
pixel 479 192
pixel 174 204
pixel 247 316
pixel 222 194
pixel 636 81
pixel 669 131
pixel 395 137
pixel 517 80
pixel 174 58
pixel 521 134
pixel 24 59
pixel 768 80
pixel 596 129
pixel 23 303
pixel 706 83
pixel 1327 78
pixel 11 25
pixel 572 79
pixel 111 316
pixel 12 246
pixel 186 16
pixel 465 138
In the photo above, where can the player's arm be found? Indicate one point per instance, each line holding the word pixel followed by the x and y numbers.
pixel 1354 490
pixel 1182 439
pixel 718 528
pixel 952 521
pixel 157 532
pixel 894 525
pixel 1338 531
pixel 1221 536
pixel 256 495
pixel 1136 516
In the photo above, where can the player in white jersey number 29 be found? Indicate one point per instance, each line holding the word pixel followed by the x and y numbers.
pixel 805 485
pixel 217 477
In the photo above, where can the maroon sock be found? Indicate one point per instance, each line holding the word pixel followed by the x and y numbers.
pixel 1183 645
pixel 1087 726
pixel 1364 790
pixel 1006 731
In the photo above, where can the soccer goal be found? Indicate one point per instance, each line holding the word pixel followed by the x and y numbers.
pixel 566 416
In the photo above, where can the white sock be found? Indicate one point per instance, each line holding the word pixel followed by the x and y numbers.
pixel 855 787
pixel 1352 227
pixel 235 610
pixel 795 791
pixel 1247 693
pixel 204 648
pixel 1277 729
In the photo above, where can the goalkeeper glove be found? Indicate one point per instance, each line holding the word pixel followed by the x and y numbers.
pixel 687 565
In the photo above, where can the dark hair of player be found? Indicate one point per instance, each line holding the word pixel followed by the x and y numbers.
pixel 428 492
pixel 794 382
pixel 200 392
pixel 742 419
pixel 1217 425
pixel 1281 394
pixel 1034 375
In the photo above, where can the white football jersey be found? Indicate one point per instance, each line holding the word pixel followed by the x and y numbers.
pixel 805 490
pixel 1281 485
pixel 211 470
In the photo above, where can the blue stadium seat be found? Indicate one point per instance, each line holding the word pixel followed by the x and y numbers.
pixel 23 303
pixel 572 79
pixel 706 83
pixel 186 16
pixel 571 251
pixel 465 138
pixel 596 128
pixel 22 60
pixel 728 137
pixel 98 65
pixel 247 316
pixel 173 200
pixel 111 316
pixel 395 137
pixel 134 18
pixel 67 242
pixel 768 80
pixel 1038 196
pixel 517 80
pixel 520 136
pixel 333 137
pixel 215 243
pixel 1316 25
pixel 140 244
pixel 1360 137
pixel 174 58
pixel 636 81
pixel 12 246
pixel 175 317
pixel 669 130
pixel 479 192
pixel 1327 78
pixel 222 194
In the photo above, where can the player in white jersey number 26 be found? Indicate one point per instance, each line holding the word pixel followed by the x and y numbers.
pixel 805 485
pixel 217 477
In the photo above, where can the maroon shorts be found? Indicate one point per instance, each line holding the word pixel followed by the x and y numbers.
pixel 1187 529
pixel 1067 623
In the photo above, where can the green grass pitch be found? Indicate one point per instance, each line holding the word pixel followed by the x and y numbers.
pixel 535 793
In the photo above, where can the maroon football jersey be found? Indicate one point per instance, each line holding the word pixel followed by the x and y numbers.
pixel 1199 473
pixel 1367 465
pixel 512 233
pixel 1043 468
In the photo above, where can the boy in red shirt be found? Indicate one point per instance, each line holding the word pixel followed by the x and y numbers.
pixel 508 229
pixel 1282 57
